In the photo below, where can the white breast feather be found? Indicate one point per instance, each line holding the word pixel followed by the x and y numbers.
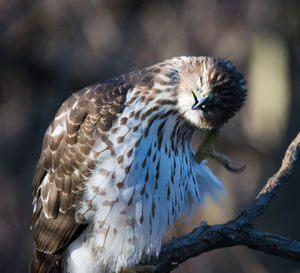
pixel 120 234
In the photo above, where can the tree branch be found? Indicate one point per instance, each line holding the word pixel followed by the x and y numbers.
pixel 275 183
pixel 238 231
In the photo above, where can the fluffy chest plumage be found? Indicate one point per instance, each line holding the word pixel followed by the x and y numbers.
pixel 139 184
pixel 144 177
pixel 126 143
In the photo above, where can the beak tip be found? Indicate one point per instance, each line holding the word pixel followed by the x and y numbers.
pixel 198 105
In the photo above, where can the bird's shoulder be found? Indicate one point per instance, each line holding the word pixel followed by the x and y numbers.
pixel 65 164
pixel 68 158
pixel 85 116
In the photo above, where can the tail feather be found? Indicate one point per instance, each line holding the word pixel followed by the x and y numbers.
pixel 45 263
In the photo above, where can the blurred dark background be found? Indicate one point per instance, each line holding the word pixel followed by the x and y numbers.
pixel 51 48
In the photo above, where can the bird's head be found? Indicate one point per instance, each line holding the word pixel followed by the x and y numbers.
pixel 210 91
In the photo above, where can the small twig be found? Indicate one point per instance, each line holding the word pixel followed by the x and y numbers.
pixel 238 231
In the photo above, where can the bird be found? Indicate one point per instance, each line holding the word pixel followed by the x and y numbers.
pixel 117 166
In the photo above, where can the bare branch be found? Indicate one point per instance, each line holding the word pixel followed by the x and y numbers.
pixel 275 183
pixel 238 231
pixel 208 238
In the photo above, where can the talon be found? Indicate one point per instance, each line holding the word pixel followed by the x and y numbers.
pixel 207 149
pixel 235 169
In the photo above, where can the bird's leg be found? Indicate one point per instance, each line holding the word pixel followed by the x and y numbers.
pixel 140 269
pixel 207 149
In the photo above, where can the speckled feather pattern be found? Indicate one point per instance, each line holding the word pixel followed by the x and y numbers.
pixel 117 165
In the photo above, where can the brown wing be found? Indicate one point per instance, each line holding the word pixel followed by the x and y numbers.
pixel 65 165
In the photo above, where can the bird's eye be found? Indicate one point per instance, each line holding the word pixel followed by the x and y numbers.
pixel 209 96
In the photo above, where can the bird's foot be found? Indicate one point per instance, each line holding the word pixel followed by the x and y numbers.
pixel 140 269
pixel 207 149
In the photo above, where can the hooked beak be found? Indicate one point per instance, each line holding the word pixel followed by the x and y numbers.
pixel 200 102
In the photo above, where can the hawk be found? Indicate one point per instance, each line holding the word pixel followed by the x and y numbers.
pixel 117 166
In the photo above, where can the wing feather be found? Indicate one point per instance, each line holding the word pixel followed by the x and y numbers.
pixel 60 172
pixel 65 162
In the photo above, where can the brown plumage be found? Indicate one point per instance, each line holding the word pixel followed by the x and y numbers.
pixel 69 156
pixel 61 155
